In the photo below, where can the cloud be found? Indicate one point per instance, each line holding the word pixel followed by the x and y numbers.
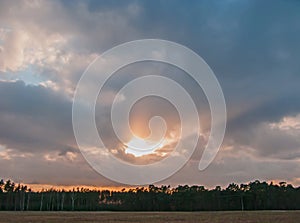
pixel 272 140
pixel 59 42
pixel 34 118
pixel 12 53
pixel 237 166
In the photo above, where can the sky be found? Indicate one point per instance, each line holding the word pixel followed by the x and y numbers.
pixel 252 47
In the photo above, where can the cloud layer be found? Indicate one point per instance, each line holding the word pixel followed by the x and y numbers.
pixel 252 46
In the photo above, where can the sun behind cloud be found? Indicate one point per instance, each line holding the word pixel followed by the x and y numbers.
pixel 139 146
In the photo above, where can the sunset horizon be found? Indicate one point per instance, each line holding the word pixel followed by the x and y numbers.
pixel 139 105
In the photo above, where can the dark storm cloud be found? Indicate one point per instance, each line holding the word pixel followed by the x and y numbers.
pixel 252 46
pixel 34 118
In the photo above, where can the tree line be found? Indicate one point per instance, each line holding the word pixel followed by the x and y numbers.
pixel 252 196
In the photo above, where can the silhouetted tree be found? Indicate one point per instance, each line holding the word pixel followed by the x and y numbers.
pixel 252 196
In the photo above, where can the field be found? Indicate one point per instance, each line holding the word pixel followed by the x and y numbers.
pixel 145 217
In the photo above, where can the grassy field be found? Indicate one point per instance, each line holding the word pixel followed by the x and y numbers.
pixel 145 217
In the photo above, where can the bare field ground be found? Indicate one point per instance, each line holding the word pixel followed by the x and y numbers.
pixel 145 217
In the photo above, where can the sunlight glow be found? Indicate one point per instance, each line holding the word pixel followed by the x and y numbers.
pixel 139 147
